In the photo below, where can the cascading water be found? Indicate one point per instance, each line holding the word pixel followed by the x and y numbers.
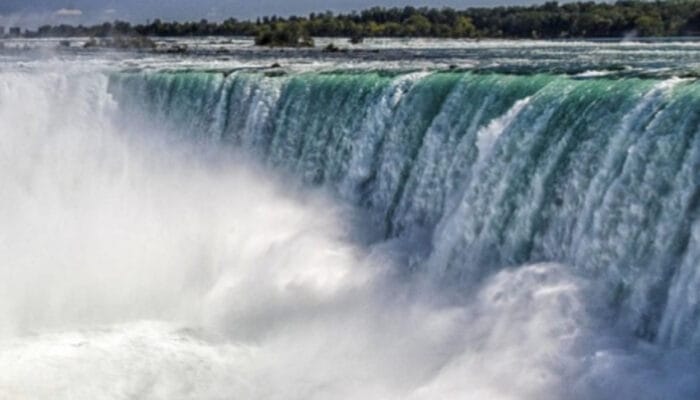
pixel 601 174
pixel 365 233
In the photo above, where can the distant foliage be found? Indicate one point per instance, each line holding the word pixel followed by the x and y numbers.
pixel 548 20
pixel 284 34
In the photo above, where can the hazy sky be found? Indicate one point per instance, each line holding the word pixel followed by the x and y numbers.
pixel 35 12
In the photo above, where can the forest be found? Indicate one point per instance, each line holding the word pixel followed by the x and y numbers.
pixel 550 20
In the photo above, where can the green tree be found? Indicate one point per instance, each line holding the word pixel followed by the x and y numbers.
pixel 418 25
pixel 463 27
pixel 649 25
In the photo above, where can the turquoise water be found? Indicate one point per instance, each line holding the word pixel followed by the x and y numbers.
pixel 501 170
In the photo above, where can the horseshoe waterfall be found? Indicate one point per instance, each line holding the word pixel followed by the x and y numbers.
pixel 190 229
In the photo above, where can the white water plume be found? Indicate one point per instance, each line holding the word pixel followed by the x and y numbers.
pixel 137 268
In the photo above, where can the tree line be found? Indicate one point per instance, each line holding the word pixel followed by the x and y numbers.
pixel 547 21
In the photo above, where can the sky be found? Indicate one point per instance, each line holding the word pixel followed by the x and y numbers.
pixel 32 13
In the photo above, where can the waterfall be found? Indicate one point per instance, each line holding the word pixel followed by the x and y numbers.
pixel 500 170
pixel 195 234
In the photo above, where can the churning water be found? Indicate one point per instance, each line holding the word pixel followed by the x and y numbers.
pixel 171 230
